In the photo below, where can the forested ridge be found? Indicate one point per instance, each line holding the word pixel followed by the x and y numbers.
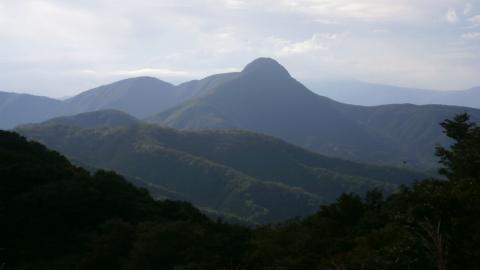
pixel 254 177
pixel 58 216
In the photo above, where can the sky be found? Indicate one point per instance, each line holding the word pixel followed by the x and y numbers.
pixel 59 48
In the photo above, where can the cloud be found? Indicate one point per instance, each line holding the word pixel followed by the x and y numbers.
pixel 315 43
pixel 382 31
pixel 471 36
pixel 160 72
pixel 303 47
pixel 170 73
pixel 324 21
pixel 366 10
pixel 49 45
pixel 475 20
pixel 46 21
pixel 235 4
pixel 451 16
pixel 467 9
pixel 405 64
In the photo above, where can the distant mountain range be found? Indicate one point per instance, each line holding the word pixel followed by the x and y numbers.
pixel 262 98
pixel 18 109
pixel 235 173
pixel 371 94
pixel 140 97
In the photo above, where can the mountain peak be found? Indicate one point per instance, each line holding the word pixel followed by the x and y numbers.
pixel 143 80
pixel 265 66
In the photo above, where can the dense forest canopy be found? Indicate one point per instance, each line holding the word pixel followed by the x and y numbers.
pixel 57 216
pixel 235 173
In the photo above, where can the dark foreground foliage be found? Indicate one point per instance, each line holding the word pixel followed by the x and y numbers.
pixel 56 216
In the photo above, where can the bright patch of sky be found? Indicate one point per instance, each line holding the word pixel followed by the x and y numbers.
pixel 61 47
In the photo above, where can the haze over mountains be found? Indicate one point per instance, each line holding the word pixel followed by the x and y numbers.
pixel 162 141
pixel 371 94
pixel 140 97
pixel 263 98
pixel 252 147
pixel 18 109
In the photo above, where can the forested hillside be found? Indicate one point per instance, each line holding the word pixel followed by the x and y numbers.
pixel 57 216
pixel 251 176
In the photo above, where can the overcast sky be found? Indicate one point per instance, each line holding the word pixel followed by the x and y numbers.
pixel 61 47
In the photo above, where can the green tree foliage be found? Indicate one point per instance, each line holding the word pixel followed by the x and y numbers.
pixel 255 177
pixel 57 216
pixel 430 225
pixel 462 161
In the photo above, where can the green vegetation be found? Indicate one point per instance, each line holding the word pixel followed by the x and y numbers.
pixel 257 178
pixel 57 216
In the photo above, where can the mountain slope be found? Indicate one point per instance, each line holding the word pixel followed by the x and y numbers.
pixel 198 88
pixel 206 184
pixel 470 98
pixel 414 129
pixel 255 177
pixel 18 109
pixel 58 216
pixel 141 97
pixel 95 119
pixel 265 98
pixel 371 94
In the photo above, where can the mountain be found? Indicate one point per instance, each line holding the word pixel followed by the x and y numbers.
pixel 58 216
pixel 264 98
pixel 95 119
pixel 254 177
pixel 470 98
pixel 140 96
pixel 18 109
pixel 371 94
pixel 197 88
pixel 206 184
pixel 54 213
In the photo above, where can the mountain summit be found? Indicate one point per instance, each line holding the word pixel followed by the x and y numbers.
pixel 266 67
pixel 140 96
pixel 264 98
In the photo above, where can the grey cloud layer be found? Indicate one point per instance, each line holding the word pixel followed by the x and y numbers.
pixel 57 48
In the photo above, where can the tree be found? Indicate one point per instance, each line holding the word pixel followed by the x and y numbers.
pixel 462 160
